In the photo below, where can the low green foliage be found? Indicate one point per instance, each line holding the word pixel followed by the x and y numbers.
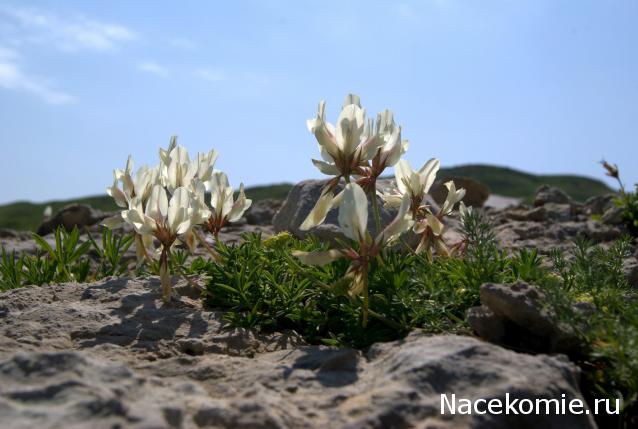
pixel 66 260
pixel 595 276
pixel 263 287
pixel 111 253
pixel 628 201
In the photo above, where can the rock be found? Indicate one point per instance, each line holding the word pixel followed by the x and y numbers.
pixel 613 216
pixel 476 193
pixel 108 354
pixel 630 268
pixel 549 211
pixel 599 204
pixel 6 233
pixel 501 201
pixel 537 214
pixel 302 199
pixel 70 216
pixel 549 194
pixel 558 212
pixel 515 315
pixel 262 212
pixel 599 233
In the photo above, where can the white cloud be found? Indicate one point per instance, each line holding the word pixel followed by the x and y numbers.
pixel 153 68
pixel 14 79
pixel 210 75
pixel 69 33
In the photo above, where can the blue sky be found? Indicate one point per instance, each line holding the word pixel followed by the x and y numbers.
pixel 544 86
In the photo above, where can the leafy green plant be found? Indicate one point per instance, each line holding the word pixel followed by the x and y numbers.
pixel 262 287
pixel 66 254
pixel 38 269
pixel 627 201
pixel 11 270
pixel 111 253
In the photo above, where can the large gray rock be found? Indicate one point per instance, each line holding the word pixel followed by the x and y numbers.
pixel 516 315
pixel 302 199
pixel 599 204
pixel 70 216
pixel 262 212
pixel 109 355
pixel 549 194
pixel 476 193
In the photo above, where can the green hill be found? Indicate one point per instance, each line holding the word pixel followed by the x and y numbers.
pixel 24 215
pixel 514 183
pixel 500 180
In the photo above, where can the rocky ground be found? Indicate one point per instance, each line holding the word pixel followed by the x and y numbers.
pixel 110 355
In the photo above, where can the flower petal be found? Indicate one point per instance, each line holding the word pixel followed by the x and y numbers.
pixel 318 258
pixel 113 221
pixel 157 205
pixel 319 212
pixel 240 206
pixel 353 212
pixel 350 125
pixel 428 173
pixel 402 173
pixel 400 224
pixel 325 168
pixel 434 223
pixel 180 201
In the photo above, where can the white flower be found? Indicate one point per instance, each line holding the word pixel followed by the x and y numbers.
pixel 205 163
pixel 347 145
pixel 415 184
pixel 122 196
pixel 393 147
pixel 224 208
pixel 453 197
pixel 345 150
pixel 164 218
pixel 180 171
pixel 138 186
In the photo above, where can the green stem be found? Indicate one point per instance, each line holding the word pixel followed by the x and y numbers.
pixel 366 301
pixel 375 209
pixel 209 249
pixel 165 277
pixel 382 318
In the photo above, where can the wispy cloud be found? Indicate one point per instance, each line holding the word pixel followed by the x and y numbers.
pixel 153 68
pixel 13 78
pixel 68 33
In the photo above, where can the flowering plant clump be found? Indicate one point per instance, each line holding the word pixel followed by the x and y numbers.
pixel 358 152
pixel 353 221
pixel 165 203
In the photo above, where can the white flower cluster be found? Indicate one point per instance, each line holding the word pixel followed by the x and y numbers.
pixel 166 202
pixel 357 151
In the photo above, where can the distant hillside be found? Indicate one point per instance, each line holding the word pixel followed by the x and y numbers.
pixel 27 216
pixel 500 180
pixel 514 183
